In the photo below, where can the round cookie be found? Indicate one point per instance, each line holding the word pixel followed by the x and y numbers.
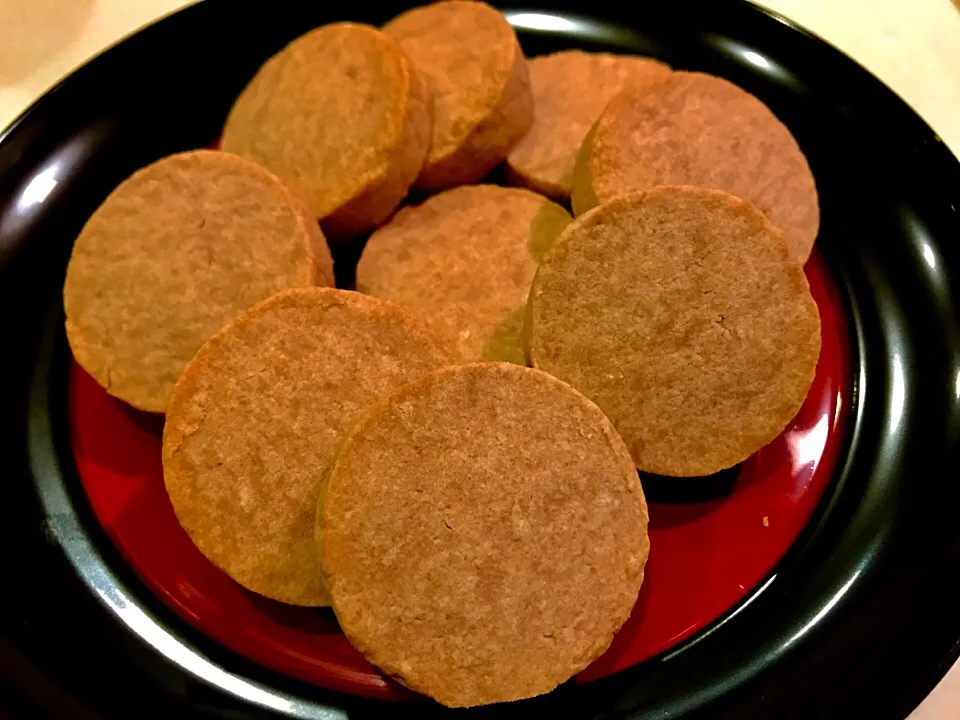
pixel 173 254
pixel 480 85
pixel 483 534
pixel 256 416
pixel 681 313
pixel 570 90
pixel 343 118
pixel 697 129
pixel 463 262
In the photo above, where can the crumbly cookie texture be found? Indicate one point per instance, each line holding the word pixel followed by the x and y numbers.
pixel 173 254
pixel 472 61
pixel 570 90
pixel 463 262
pixel 343 117
pixel 697 129
pixel 256 417
pixel 682 314
pixel 483 534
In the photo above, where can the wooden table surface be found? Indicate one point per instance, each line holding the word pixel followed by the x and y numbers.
pixel 912 45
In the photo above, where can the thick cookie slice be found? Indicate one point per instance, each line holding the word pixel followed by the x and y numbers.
pixel 681 313
pixel 343 118
pixel 256 416
pixel 570 90
pixel 480 85
pixel 173 254
pixel 463 262
pixel 483 534
pixel 697 129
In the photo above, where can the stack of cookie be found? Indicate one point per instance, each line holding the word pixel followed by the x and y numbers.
pixel 477 525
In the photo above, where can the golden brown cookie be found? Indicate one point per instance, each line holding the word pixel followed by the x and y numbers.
pixel 483 534
pixel 479 82
pixel 343 118
pixel 697 129
pixel 463 262
pixel 570 90
pixel 174 253
pixel 681 313
pixel 256 416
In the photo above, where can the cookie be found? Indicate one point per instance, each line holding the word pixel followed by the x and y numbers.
pixel 173 254
pixel 480 86
pixel 682 314
pixel 343 118
pixel 696 129
pixel 463 262
pixel 483 534
pixel 570 90
pixel 256 416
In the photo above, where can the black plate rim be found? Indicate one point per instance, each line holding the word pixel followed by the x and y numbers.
pixel 22 123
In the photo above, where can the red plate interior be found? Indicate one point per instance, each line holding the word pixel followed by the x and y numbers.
pixel 706 556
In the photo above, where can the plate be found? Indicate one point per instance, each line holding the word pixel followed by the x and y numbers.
pixel 820 579
pixel 717 539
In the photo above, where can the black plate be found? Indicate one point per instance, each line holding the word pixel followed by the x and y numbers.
pixel 862 617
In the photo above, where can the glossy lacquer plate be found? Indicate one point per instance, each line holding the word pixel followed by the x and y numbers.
pixel 819 579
